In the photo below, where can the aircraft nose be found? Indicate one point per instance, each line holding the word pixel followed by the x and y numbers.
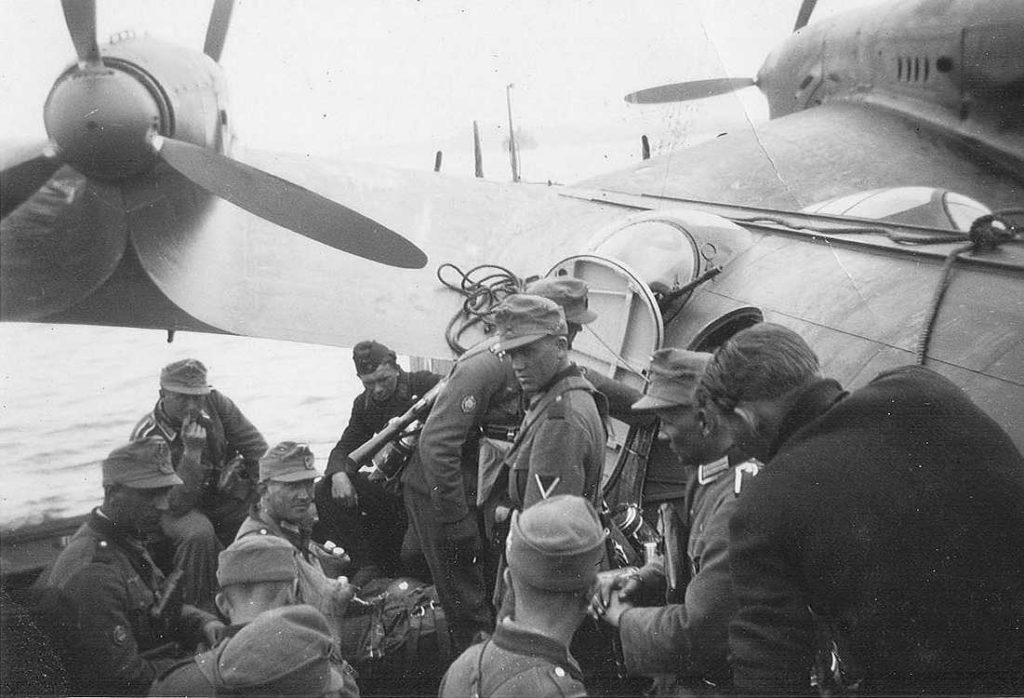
pixel 100 121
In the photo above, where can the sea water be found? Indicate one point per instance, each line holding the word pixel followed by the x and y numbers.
pixel 71 394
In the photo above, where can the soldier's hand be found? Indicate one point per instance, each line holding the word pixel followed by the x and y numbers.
pixel 613 612
pixel 343 490
pixel 625 583
pixel 213 631
pixel 343 594
pixel 193 435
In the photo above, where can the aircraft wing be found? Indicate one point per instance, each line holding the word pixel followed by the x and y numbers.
pixel 166 255
pixel 193 261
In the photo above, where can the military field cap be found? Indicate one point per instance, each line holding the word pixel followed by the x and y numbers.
pixel 522 319
pixel 283 652
pixel 256 558
pixel 142 465
pixel 288 462
pixel 568 292
pixel 370 355
pixel 557 544
pixel 186 376
pixel 674 376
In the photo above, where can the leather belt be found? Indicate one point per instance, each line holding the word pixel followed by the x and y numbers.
pixel 501 432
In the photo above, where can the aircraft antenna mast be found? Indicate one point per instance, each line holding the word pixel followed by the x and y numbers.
pixel 513 151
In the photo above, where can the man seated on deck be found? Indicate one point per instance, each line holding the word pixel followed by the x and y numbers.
pixel 215 451
pixel 127 620
pixel 285 510
pixel 271 647
pixel 684 646
pixel 360 514
pixel 554 549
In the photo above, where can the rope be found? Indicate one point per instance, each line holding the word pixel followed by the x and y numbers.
pixel 483 287
pixel 986 234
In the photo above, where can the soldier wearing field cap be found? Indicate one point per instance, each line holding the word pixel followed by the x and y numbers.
pixel 683 645
pixel 285 510
pixel 272 646
pixel 554 550
pixel 126 617
pixel 560 448
pixel 215 450
pixel 354 510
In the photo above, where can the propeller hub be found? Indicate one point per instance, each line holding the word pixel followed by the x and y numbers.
pixel 100 121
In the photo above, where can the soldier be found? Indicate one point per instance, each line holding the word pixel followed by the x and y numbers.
pixel 560 449
pixel 889 518
pixel 271 647
pixel 127 619
pixel 215 451
pixel 355 511
pixel 685 645
pixel 553 551
pixel 285 510
pixel 474 419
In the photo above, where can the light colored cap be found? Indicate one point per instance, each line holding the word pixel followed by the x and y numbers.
pixel 569 292
pixel 674 376
pixel 288 462
pixel 142 465
pixel 557 544
pixel 522 319
pixel 187 376
pixel 283 652
pixel 256 558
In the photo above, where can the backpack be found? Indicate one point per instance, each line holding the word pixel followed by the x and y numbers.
pixel 401 644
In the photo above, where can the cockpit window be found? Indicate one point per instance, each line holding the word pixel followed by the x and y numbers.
pixel 660 253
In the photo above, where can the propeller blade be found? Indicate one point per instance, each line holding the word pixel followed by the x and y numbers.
pixel 290 205
pixel 217 30
pixel 59 246
pixel 686 91
pixel 80 16
pixel 804 15
pixel 24 171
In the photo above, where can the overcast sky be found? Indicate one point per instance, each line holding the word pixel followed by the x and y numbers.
pixel 325 76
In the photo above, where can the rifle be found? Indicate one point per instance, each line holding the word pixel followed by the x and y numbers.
pixel 397 431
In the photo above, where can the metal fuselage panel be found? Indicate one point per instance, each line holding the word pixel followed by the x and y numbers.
pixel 955 64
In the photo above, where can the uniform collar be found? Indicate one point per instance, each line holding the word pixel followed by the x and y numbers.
pixel 568 372
pixel 813 401
pixel 709 472
pixel 163 422
pixel 513 637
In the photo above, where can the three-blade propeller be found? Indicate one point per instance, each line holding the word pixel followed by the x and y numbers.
pixel 712 87
pixel 94 87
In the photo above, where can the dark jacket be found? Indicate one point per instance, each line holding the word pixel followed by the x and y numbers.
pixel 896 516
pixel 690 640
pixel 228 434
pixel 368 417
pixel 514 662
pixel 117 647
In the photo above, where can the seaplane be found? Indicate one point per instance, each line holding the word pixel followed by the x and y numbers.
pixel 879 212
